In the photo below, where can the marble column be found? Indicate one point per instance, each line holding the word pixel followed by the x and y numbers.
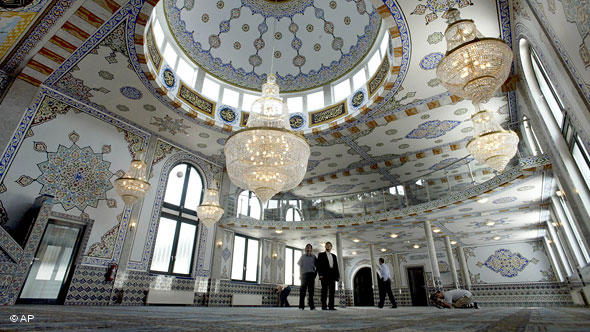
pixel 464 269
pixel 397 275
pixel 432 254
pixel 342 287
pixel 451 261
pixel 373 265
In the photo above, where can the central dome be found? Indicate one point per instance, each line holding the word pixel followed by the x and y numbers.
pixel 315 41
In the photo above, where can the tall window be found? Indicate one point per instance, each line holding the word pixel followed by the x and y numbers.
pixel 292 273
pixel 248 205
pixel 245 258
pixel 177 230
pixel 578 151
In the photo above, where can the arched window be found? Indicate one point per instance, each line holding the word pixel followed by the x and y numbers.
pixel 177 230
pixel 248 205
pixel 293 214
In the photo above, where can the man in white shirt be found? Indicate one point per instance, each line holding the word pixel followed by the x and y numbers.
pixel 458 298
pixel 385 284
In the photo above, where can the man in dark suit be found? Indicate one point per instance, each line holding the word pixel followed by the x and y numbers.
pixel 329 275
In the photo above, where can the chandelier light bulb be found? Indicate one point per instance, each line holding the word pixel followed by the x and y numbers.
pixel 492 145
pixel 209 212
pixel 474 66
pixel 267 157
pixel 133 185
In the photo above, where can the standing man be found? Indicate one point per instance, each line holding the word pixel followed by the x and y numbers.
pixel 329 275
pixel 385 284
pixel 307 265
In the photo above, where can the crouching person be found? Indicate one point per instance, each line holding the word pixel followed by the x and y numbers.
pixel 458 298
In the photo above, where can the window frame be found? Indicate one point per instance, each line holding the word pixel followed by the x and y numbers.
pixel 293 262
pixel 250 193
pixel 245 262
pixel 181 210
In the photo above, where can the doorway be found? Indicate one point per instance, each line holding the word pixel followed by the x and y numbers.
pixel 363 288
pixel 52 268
pixel 417 286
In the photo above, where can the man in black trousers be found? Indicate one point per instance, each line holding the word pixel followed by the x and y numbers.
pixel 329 275
pixel 385 285
pixel 307 266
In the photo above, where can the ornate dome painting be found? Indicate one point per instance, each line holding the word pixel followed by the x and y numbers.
pixel 310 42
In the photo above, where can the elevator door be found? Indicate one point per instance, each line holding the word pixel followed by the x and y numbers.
pixel 51 270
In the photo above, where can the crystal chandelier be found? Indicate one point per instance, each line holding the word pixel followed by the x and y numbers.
pixel 492 145
pixel 474 66
pixel 133 185
pixel 209 212
pixel 267 157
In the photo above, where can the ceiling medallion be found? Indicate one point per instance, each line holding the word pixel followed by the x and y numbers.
pixel 267 157
pixel 474 66
pixel 492 145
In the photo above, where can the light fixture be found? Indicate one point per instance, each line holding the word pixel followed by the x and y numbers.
pixel 133 224
pixel 279 231
pixel 436 230
pixel 559 193
pixel 482 200
pixel 491 145
pixel 383 250
pixel 474 66
pixel 209 212
pixel 219 243
pixel 416 246
pixel 497 237
pixel 550 241
pixel 356 240
pixel 393 235
pixel 490 223
pixel 133 185
pixel 453 242
pixel 275 255
pixel 354 252
pixel 267 156
pixel 555 224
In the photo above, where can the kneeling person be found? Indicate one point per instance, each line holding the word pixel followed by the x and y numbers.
pixel 458 298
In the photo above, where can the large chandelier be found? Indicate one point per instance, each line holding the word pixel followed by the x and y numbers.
pixel 474 66
pixel 209 212
pixel 133 185
pixel 267 157
pixel 492 145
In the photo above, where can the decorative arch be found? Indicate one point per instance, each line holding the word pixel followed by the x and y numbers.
pixel 207 172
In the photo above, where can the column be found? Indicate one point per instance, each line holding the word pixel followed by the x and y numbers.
pixel 551 255
pixel 464 269
pixel 342 287
pixel 451 261
pixel 373 266
pixel 432 255
pixel 397 275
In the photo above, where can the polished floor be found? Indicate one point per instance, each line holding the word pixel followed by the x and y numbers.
pixel 403 319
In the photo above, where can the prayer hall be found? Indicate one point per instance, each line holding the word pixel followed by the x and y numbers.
pixel 295 165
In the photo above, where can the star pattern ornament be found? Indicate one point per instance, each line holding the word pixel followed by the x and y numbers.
pixel 170 125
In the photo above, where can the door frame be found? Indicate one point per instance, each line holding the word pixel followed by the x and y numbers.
pixel 425 281
pixel 85 226
pixel 352 281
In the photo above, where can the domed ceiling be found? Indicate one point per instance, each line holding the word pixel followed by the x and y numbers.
pixel 312 42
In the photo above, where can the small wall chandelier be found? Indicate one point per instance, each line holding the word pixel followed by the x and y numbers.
pixel 492 145
pixel 267 157
pixel 474 66
pixel 209 212
pixel 133 185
